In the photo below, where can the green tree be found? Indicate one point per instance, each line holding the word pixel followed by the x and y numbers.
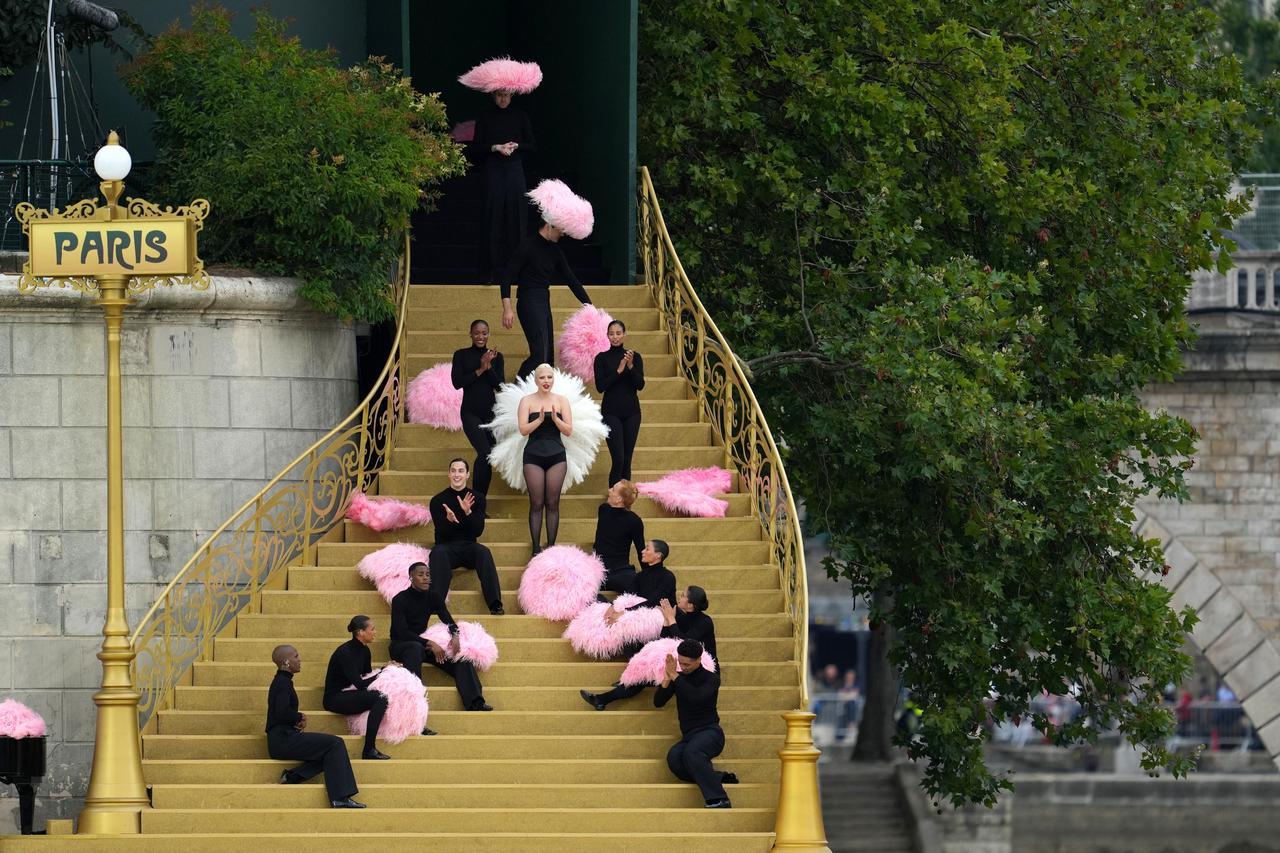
pixel 310 170
pixel 1256 41
pixel 954 239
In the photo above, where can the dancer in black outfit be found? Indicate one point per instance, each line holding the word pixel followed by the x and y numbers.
pixel 287 738
pixel 503 136
pixel 478 371
pixel 457 514
pixel 695 690
pixel 619 377
pixel 411 610
pixel 544 417
pixel 537 263
pixel 617 530
pixel 347 667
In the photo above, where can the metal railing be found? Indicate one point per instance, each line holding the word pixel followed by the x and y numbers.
pixel 276 528
pixel 40 183
pixel 728 403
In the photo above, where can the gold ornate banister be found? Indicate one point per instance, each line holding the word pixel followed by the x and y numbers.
pixel 277 527
pixel 725 398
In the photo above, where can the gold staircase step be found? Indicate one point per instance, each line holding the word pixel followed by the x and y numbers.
pixel 581 505
pixel 708 577
pixel 655 364
pixel 513 344
pixel 656 434
pixel 463 601
pixel 640 319
pixel 645 458
pixel 530 650
pixel 471 297
pixel 501 530
pixel 511 553
pixel 729 626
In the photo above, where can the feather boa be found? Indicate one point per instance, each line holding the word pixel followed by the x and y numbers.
pixel 560 582
pixel 385 513
pixel 507 456
pixel 591 635
pixel 649 665
pixel 406 706
pixel 19 721
pixel 563 208
pixel 388 568
pixel 474 643
pixel 690 491
pixel 504 74
pixel 583 337
pixel 433 400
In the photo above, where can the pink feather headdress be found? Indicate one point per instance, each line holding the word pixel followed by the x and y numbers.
pixel 563 208
pixel 19 721
pixel 503 74
pixel 385 513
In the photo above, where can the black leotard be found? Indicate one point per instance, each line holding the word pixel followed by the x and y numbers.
pixel 545 447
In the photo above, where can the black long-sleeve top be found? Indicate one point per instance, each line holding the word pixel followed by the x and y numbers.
pixel 654 583
pixel 693 626
pixel 499 126
pixel 467 528
pixel 282 702
pixel 536 264
pixel 617 530
pixel 477 388
pixel 347 666
pixel 619 389
pixel 412 609
pixel 696 694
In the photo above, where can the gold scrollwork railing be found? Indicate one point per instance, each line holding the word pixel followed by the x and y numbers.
pixel 727 401
pixel 272 530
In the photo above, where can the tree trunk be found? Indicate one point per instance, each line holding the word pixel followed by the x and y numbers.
pixel 875 733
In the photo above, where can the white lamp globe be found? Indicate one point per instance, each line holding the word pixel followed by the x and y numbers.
pixel 112 162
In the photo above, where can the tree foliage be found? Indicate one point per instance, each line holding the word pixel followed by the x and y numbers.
pixel 310 170
pixel 954 239
pixel 1256 41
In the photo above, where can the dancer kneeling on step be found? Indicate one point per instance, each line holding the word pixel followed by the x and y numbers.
pixel 351 665
pixel 288 739
pixel 457 514
pixel 545 417
pixel 411 610
pixel 696 691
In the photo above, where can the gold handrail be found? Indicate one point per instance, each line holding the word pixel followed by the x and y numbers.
pixel 726 399
pixel 275 528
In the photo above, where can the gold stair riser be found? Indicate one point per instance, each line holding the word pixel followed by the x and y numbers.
pixel 655 365
pixel 707 553
pixel 462 601
pixel 317 651
pixel 653 433
pixel 645 458
pixel 400 481
pixel 487 298
pixel 498 529
pixel 585 506
pixel 514 347
pixel 272 626
pixel 454 317
pixel 316 579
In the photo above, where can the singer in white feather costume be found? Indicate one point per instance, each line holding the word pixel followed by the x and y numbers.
pixel 550 448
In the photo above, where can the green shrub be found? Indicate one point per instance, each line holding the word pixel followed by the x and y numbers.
pixel 311 170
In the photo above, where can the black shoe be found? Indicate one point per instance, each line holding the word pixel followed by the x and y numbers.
pixel 346 803
pixel 288 777
pixel 593 699
pixel 373 754
pixel 496 610
pixel 480 705
pixel 719 804
pixel 728 778
pixel 428 732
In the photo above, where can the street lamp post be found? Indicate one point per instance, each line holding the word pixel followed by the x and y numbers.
pixel 114 253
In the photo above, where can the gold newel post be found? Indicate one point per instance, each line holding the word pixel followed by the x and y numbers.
pixel 799 826
pixel 114 253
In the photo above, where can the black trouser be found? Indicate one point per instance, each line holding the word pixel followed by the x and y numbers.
pixel 623 433
pixel 533 307
pixel 620 692
pixel 414 654
pixel 349 702
pixel 483 441
pixel 621 579
pixel 471 555
pixel 505 214
pixel 321 753
pixel 690 761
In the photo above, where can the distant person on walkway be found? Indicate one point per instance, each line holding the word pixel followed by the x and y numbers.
pixel 544 417
pixel 618 530
pixel 620 377
pixel 351 665
pixel 457 514
pixel 287 737
pixel 696 691
pixel 478 371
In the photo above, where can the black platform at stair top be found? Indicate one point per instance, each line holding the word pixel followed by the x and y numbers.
pixel 446 241
pixel 22 763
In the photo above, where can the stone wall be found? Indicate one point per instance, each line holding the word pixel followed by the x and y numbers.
pixel 222 389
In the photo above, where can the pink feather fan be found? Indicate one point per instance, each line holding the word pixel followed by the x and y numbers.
pixel 560 582
pixel 691 491
pixel 388 568
pixel 19 721
pixel 385 513
pixel 474 643
pixel 433 400
pixel 503 74
pixel 649 665
pixel 584 335
pixel 406 706
pixel 591 635
pixel 563 208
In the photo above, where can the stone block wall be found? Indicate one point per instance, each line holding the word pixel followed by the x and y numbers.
pixel 222 389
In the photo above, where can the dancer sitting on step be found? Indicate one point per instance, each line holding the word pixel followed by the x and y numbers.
pixel 687 620
pixel 620 377
pixel 544 417
pixel 411 610
pixel 458 516
pixel 351 665
pixel 617 530
pixel 696 691
pixel 478 371
pixel 287 738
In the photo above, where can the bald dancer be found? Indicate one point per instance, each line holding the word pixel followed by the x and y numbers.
pixel 287 738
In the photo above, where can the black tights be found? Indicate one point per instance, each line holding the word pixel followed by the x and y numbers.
pixel 544 496
pixel 622 444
